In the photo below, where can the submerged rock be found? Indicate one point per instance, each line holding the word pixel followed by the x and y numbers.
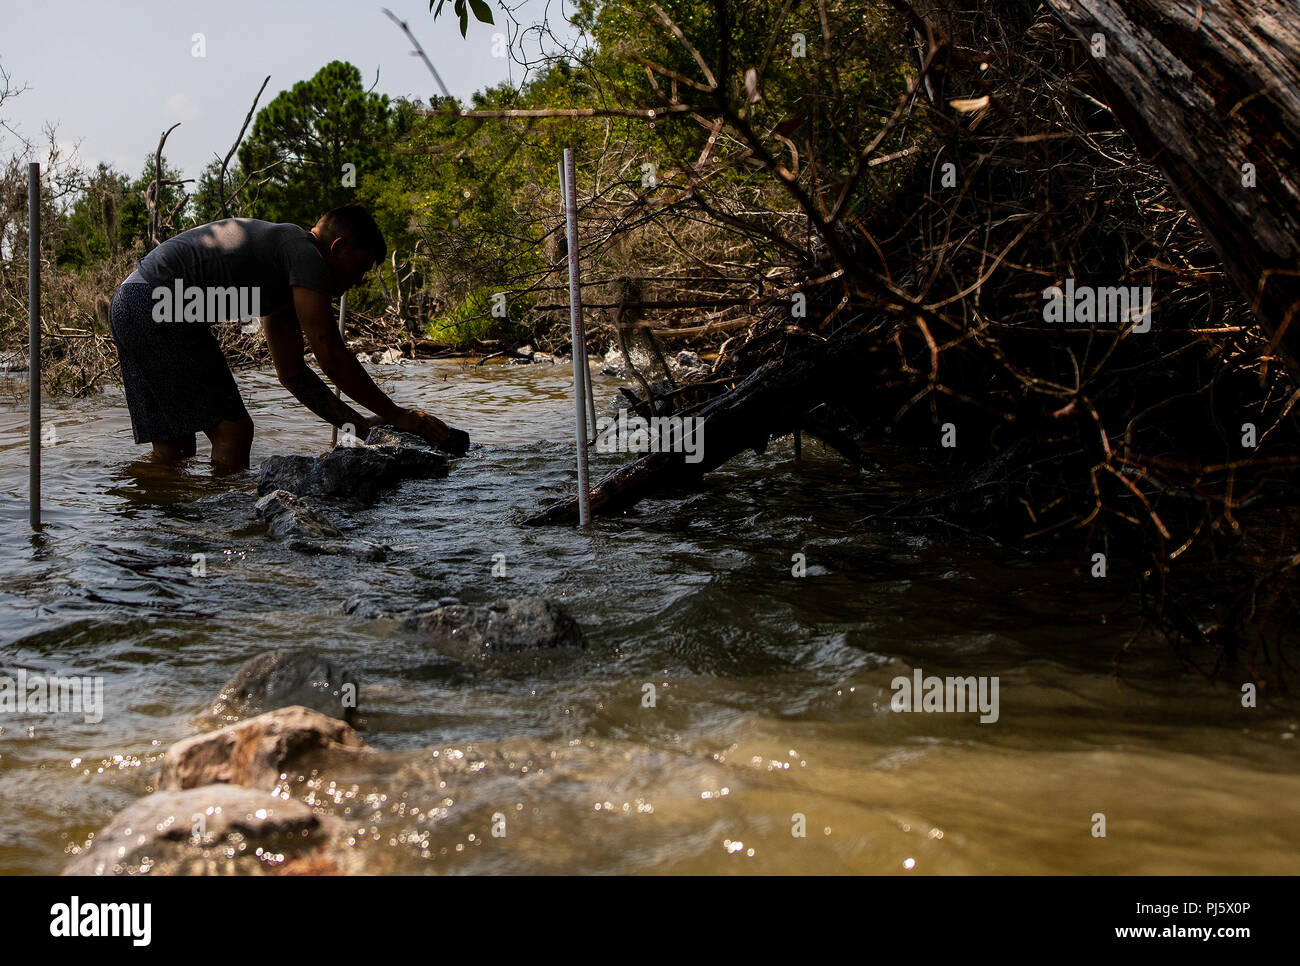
pixel 232 512
pixel 216 830
pixel 505 626
pixel 256 752
pixel 292 516
pixel 353 473
pixel 376 608
pixel 280 679
pixel 360 549
pixel 471 631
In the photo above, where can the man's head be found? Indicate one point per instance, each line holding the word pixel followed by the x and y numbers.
pixel 351 243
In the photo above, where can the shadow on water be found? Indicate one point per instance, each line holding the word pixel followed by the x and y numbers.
pixel 771 692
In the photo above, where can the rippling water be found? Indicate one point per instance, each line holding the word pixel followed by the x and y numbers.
pixel 772 691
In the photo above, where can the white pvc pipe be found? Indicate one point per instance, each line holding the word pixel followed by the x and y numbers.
pixel 580 373
pixel 591 392
pixel 34 343
pixel 343 312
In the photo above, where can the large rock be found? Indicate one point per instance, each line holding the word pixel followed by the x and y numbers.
pixel 256 752
pixel 231 513
pixel 505 626
pixel 349 473
pixel 281 679
pixel 217 830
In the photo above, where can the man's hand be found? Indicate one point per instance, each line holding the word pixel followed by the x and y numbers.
pixel 433 429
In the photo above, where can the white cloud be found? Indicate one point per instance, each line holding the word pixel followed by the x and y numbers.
pixel 181 108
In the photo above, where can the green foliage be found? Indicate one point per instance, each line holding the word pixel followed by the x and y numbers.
pixel 472 321
pixel 302 140
pixel 205 200
pixel 92 226
pixel 109 215
pixel 482 12
pixel 465 203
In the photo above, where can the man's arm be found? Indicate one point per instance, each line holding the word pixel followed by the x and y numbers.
pixel 317 325
pixel 284 338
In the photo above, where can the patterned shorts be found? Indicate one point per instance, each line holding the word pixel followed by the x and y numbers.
pixel 176 377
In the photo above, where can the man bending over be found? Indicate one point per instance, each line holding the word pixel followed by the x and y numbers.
pixel 176 377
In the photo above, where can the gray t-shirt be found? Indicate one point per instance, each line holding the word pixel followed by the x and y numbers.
pixel 260 260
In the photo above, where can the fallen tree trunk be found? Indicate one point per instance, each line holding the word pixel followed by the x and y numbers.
pixel 770 402
pixel 1206 89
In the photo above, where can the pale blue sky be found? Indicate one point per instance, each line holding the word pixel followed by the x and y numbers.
pixel 115 75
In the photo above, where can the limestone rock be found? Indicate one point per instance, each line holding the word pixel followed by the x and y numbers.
pixel 216 830
pixel 254 753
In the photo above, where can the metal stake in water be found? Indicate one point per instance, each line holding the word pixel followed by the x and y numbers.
pixel 580 373
pixel 34 343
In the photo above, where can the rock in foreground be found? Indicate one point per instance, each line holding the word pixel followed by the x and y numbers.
pixel 256 752
pixel 281 679
pixel 216 830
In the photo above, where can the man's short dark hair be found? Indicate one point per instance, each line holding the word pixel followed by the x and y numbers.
pixel 354 222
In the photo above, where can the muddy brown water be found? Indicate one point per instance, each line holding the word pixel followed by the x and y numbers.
pixel 772 692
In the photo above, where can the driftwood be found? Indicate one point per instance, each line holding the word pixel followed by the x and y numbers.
pixel 1205 88
pixel 158 222
pixel 770 402
pixel 225 162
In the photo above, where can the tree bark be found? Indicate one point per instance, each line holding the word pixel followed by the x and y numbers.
pixel 1206 88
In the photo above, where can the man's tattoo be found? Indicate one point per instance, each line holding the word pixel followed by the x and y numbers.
pixel 311 391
